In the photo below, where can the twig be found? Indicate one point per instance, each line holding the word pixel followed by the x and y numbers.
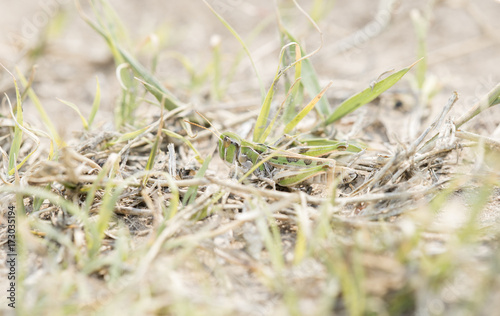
pixel 488 100
pixel 490 142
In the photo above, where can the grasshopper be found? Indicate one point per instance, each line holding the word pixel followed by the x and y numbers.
pixel 287 168
pixel 276 166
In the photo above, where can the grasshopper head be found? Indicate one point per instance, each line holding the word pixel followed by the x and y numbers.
pixel 229 144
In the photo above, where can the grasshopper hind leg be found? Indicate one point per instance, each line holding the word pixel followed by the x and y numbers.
pixel 266 175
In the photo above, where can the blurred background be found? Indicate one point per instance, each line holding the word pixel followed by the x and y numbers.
pixel 362 40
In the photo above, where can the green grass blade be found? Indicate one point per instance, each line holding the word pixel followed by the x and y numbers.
pixel 297 90
pixel 106 211
pixel 421 26
pixel 260 125
pixel 100 29
pixel 41 110
pixel 306 110
pixel 242 43
pixel 17 116
pixel 37 202
pixel 191 192
pixel 19 128
pixel 366 95
pixel 488 100
pixel 121 55
pixel 161 94
pixel 270 235
pixel 43 194
pixel 328 145
pixel 259 132
pixel 216 69
pixel 152 155
pixel 29 83
pixel 310 79
pixel 298 65
pixel 31 135
pixel 275 118
pixel 311 84
pixel 92 191
pixel 154 151
pixel 96 104
pixel 153 84
pixel 301 239
pixel 77 110
pixel 128 136
pixel 185 140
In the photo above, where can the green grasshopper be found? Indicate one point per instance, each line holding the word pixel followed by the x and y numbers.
pixel 287 168
pixel 283 167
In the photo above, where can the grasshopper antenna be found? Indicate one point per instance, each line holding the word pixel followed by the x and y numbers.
pixel 216 133
pixel 210 123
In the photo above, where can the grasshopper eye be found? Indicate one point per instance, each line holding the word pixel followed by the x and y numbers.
pixel 227 142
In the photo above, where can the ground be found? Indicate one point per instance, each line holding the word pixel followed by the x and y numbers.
pixel 421 238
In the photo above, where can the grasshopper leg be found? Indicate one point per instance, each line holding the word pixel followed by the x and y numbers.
pixel 292 177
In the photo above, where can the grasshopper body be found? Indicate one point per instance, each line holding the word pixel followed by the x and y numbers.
pixel 286 168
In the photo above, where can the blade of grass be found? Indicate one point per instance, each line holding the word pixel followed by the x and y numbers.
pixel 18 131
pixel 77 110
pixel 259 132
pixel 303 230
pixel 311 84
pixel 275 118
pixel 366 95
pixel 37 202
pixel 121 55
pixel 96 104
pixel 242 43
pixel 297 92
pixel 260 125
pixel 22 129
pixel 127 136
pixel 190 196
pixel 421 26
pixel 41 110
pixel 28 85
pixel 490 99
pixel 109 200
pixel 255 33
pixel 154 150
pixel 55 199
pixel 306 109
pixel 216 67
pixel 175 135
pixel 270 235
pixel 17 116
pixel 160 93
pixel 153 84
pixel 310 80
